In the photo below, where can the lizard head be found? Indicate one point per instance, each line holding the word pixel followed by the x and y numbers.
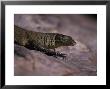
pixel 66 40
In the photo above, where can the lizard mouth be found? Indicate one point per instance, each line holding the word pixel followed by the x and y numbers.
pixel 73 43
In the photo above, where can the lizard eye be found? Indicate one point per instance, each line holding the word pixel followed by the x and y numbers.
pixel 65 38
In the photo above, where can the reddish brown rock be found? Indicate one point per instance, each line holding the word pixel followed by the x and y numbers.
pixel 40 64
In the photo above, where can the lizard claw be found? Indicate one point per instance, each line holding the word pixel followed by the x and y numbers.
pixel 61 55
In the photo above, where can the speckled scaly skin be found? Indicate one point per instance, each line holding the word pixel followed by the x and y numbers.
pixel 42 41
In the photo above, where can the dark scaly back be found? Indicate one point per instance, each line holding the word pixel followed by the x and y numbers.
pixel 46 40
pixel 20 36
pixel 23 37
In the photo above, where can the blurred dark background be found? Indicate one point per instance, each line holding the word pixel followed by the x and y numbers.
pixel 94 16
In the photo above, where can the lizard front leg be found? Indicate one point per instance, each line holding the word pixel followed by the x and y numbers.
pixel 46 51
pixel 50 52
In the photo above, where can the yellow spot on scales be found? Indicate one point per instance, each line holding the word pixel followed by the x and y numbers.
pixel 47 40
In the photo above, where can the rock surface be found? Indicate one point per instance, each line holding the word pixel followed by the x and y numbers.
pixel 81 59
